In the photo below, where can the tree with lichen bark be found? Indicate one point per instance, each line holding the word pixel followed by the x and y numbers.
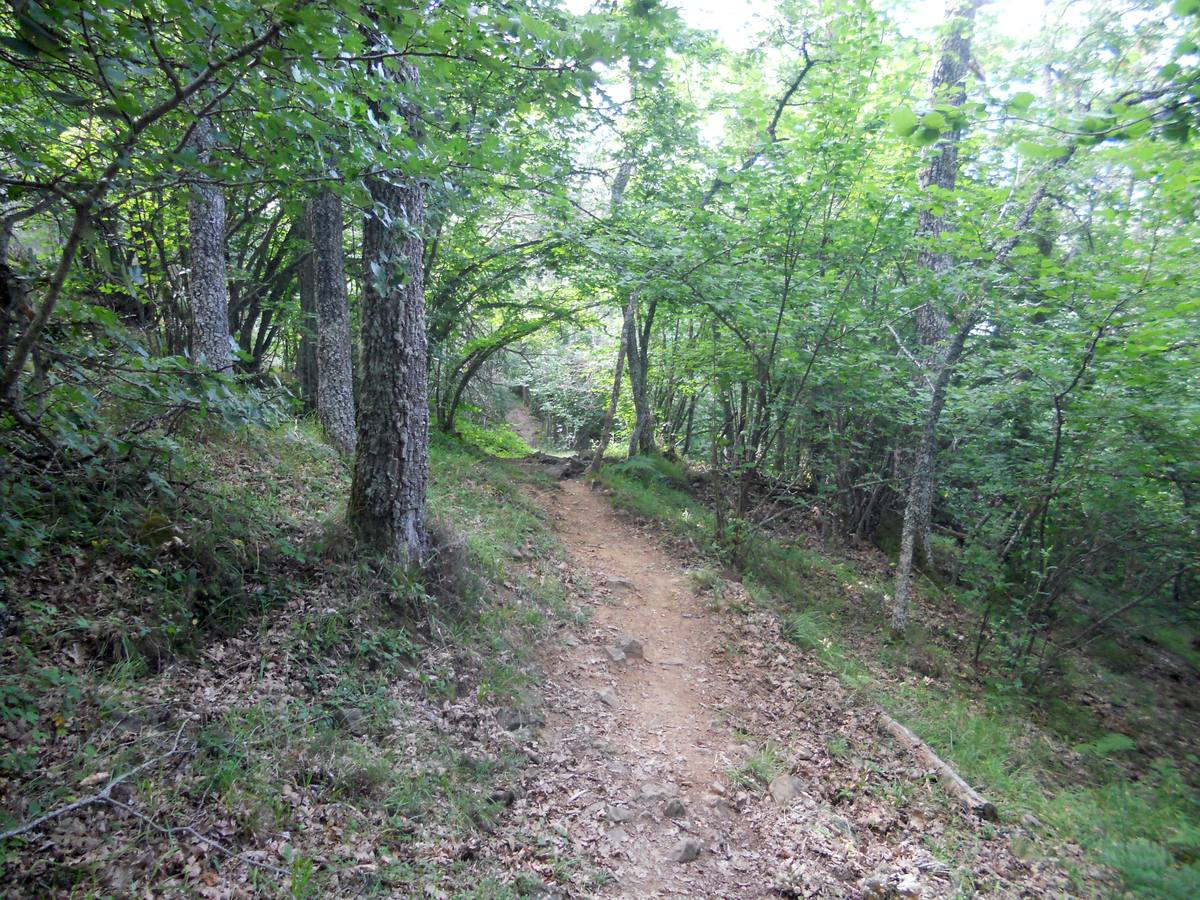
pixel 335 385
pixel 208 280
pixel 391 467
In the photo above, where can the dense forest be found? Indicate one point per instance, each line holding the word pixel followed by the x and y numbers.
pixel 365 368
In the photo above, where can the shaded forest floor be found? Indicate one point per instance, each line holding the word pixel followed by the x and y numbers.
pixel 249 709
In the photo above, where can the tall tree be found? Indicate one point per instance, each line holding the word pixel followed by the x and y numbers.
pixel 933 320
pixel 208 281
pixel 391 468
pixel 335 385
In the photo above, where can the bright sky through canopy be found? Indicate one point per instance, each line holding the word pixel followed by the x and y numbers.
pixel 734 20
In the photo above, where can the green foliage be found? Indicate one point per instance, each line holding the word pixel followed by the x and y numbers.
pixel 641 486
pixel 495 440
pixel 760 767
pixel 1148 870
pixel 1108 744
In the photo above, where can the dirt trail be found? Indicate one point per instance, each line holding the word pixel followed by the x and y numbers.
pixel 634 767
pixel 524 424
pixel 663 721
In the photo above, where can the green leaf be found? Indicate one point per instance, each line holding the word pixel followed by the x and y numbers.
pixel 1177 130
pixel 1020 101
pixel 926 136
pixel 19 46
pixel 68 99
pixel 933 120
pixel 903 121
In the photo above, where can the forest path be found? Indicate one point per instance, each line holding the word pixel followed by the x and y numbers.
pixel 655 717
pixel 661 711
pixel 523 423
pixel 721 761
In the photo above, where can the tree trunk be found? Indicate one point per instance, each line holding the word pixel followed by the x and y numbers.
pixel 620 182
pixel 335 381
pixel 687 434
pixel 948 86
pixel 933 324
pixel 641 441
pixel 391 469
pixel 208 279
pixel 610 414
pixel 306 352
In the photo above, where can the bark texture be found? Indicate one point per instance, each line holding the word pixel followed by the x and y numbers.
pixel 391 467
pixel 306 352
pixel 949 85
pixel 920 490
pixel 208 281
pixel 335 380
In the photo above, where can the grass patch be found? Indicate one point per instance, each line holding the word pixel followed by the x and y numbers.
pixel 496 439
pixel 652 487
pixel 761 767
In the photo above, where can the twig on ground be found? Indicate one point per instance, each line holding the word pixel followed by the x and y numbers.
pixel 102 796
pixel 105 796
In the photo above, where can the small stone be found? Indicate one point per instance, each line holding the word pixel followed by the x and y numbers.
pixel 721 807
pixel 545 891
pixel 656 791
pixel 615 654
pixel 630 647
pixel 877 887
pixel 503 796
pixel 618 834
pixel 513 719
pixel 619 814
pixel 840 826
pixel 908 888
pixel 686 850
pixel 786 788
pixel 620 584
pixel 352 719
pixel 608 697
pixel 675 808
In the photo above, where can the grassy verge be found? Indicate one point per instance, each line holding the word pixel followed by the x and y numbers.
pixel 1046 761
pixel 314 723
